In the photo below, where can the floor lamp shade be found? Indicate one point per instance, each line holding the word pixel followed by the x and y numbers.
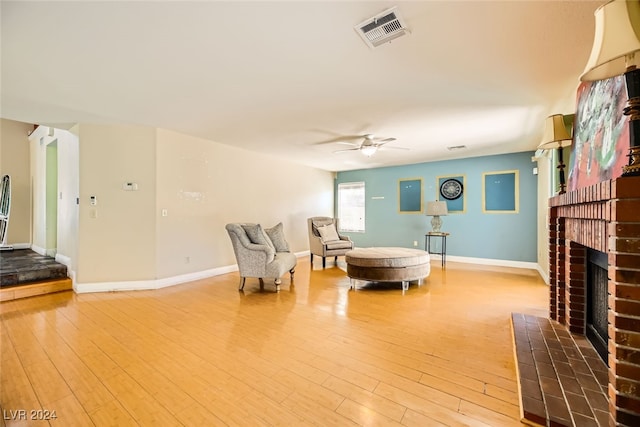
pixel 616 41
pixel 617 38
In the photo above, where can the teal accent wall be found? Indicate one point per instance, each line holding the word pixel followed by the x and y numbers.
pixel 501 236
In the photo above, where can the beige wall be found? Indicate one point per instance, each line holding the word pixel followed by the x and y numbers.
pixel 204 185
pixel 14 161
pixel 116 238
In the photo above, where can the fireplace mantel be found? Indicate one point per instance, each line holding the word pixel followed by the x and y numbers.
pixel 604 217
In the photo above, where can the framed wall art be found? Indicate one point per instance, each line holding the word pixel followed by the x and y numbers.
pixel 600 133
pixel 500 192
pixel 410 195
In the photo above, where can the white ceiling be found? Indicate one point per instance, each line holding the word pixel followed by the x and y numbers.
pixel 277 77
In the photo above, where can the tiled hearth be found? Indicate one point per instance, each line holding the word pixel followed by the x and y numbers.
pixel 562 380
pixel 604 217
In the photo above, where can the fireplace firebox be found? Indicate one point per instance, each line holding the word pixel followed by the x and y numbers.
pixel 597 302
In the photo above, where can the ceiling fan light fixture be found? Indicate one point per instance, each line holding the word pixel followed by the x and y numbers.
pixel 369 150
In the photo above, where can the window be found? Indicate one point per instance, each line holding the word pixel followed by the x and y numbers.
pixel 351 206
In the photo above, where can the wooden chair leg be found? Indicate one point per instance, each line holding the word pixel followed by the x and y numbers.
pixel 277 282
pixel 242 279
pixel 336 259
pixel 312 260
pixel 324 262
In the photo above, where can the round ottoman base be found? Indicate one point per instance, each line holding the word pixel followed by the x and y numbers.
pixel 387 265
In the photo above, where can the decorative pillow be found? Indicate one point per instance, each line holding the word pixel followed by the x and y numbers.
pixel 257 235
pixel 328 233
pixel 276 234
pixel 319 223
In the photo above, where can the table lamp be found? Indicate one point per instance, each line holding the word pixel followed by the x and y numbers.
pixel 436 209
pixel 556 136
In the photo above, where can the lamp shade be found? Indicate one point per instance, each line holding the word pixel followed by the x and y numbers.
pixel 555 133
pixel 436 208
pixel 616 40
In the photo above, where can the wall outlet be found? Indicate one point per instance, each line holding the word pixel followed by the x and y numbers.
pixel 165 212
pixel 415 243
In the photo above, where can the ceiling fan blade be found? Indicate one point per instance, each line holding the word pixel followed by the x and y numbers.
pixel 347 149
pixel 394 148
pixel 339 140
pixel 353 144
pixel 388 148
pixel 385 140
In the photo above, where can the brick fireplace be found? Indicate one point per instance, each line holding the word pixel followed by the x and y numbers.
pixel 604 217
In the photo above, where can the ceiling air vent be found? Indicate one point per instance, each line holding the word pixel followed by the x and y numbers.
pixel 382 28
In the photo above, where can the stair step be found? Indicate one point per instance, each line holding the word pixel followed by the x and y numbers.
pixel 24 266
pixel 32 289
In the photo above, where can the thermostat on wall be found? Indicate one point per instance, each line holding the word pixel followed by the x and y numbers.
pixel 130 186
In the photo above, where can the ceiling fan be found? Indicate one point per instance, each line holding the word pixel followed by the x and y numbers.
pixel 368 146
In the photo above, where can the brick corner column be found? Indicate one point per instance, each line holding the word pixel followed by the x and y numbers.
pixel 558 265
pixel 624 303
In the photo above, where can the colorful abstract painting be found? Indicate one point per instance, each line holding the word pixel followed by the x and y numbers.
pixel 600 134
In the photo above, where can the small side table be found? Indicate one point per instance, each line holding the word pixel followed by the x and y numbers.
pixel 443 247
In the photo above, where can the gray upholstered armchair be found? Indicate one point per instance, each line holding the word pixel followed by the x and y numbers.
pixel 324 239
pixel 261 253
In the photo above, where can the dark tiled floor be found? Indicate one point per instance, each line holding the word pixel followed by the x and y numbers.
pixel 23 266
pixel 562 380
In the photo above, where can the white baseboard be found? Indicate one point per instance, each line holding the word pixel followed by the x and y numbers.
pixel 543 274
pixel 490 261
pixel 39 250
pixel 20 245
pixel 190 277
pixel 42 251
pixel 140 285
pixel 63 259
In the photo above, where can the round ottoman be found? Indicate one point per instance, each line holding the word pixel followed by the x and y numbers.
pixel 387 265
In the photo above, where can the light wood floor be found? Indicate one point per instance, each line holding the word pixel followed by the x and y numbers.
pixel 314 354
